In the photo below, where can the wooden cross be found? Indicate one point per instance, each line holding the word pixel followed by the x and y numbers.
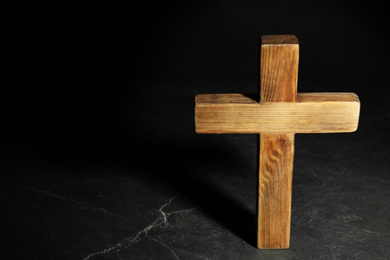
pixel 280 114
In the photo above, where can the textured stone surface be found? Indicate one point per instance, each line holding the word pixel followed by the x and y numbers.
pixel 166 193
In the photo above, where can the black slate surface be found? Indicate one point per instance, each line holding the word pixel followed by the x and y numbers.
pixel 99 155
pixel 171 194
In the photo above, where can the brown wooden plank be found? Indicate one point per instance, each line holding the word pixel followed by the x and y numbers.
pixel 275 190
pixel 279 68
pixel 278 83
pixel 312 113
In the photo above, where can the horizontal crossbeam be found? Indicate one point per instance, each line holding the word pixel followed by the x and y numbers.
pixel 312 113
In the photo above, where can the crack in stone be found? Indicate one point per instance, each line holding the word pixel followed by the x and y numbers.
pixel 66 199
pixel 192 254
pixel 172 249
pixel 324 182
pixel 164 245
pixel 361 230
pixel 75 201
pixel 163 213
pixel 55 195
pixel 125 243
pixel 162 221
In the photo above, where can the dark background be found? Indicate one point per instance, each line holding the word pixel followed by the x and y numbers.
pixel 93 90
pixel 93 68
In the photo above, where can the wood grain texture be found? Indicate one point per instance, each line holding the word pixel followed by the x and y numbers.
pixel 278 39
pixel 275 190
pixel 279 114
pixel 278 68
pixel 278 83
pixel 312 113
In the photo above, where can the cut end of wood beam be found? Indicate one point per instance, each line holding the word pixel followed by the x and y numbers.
pixel 279 39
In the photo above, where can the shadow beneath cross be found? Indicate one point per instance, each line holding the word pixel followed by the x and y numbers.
pixel 187 169
pixel 184 168
pixel 195 169
pixel 96 133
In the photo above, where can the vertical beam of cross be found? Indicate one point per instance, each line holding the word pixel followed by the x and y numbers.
pixel 278 83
